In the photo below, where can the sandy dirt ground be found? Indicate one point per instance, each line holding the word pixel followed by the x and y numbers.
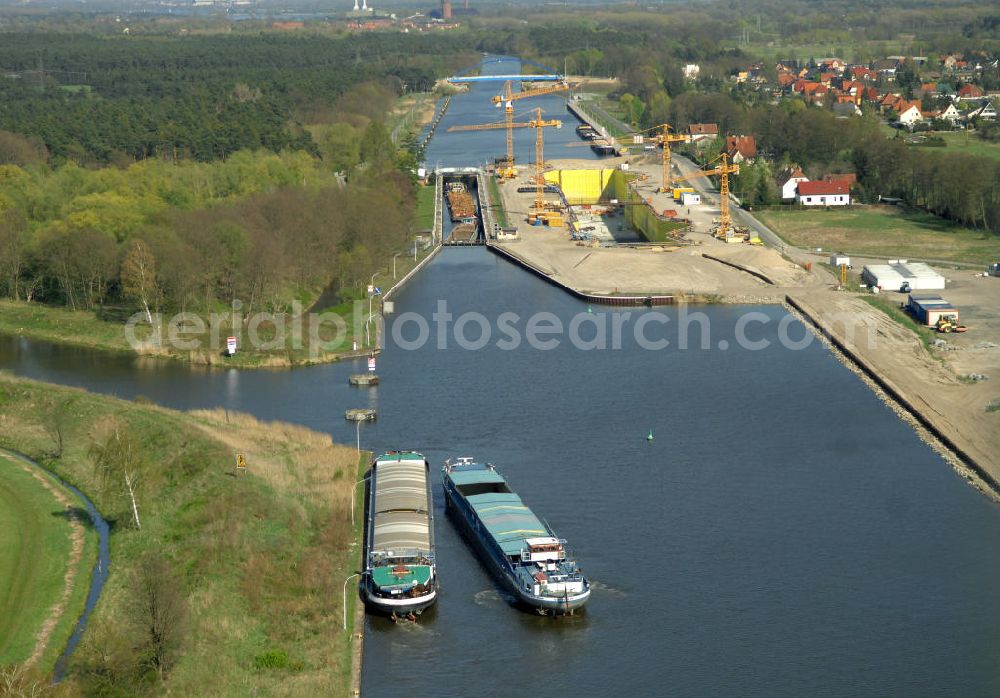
pixel 936 383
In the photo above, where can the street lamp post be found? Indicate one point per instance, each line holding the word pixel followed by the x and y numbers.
pixel 356 574
pixel 368 322
pixel 354 496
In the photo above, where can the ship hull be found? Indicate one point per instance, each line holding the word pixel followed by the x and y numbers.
pixel 397 607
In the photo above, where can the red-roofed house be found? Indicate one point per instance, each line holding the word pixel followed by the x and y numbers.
pixel 969 91
pixel 703 132
pixel 789 180
pixel 909 112
pixel 860 72
pixel 741 148
pixel 848 179
pixel 823 194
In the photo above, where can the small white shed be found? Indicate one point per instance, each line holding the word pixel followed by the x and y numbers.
pixel 690 199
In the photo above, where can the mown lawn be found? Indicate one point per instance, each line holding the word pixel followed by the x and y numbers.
pixel 424 215
pixel 34 558
pixel 258 560
pixel 883 231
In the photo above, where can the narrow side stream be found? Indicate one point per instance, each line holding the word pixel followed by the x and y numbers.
pixel 98 575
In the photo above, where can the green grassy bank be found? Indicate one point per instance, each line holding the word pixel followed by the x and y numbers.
pixel 247 570
pixel 45 564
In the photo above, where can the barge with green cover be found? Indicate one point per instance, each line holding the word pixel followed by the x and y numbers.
pixel 400 576
pixel 523 553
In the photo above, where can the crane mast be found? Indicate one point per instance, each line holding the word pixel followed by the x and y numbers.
pixel 725 229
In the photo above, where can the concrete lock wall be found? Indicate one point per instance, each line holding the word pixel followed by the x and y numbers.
pixel 603 185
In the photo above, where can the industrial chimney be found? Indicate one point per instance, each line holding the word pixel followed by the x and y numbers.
pixel 356 5
pixel 445 9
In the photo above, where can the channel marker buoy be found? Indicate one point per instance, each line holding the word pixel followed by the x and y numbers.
pixel 649 436
pixel 590 309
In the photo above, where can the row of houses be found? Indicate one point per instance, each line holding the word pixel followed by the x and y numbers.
pixel 832 190
pixel 855 89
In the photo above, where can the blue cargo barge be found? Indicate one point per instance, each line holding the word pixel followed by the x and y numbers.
pixel 522 552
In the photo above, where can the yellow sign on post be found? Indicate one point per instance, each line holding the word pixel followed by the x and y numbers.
pixel 241 464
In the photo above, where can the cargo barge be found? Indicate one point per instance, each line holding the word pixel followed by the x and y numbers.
pixel 400 576
pixel 461 204
pixel 522 552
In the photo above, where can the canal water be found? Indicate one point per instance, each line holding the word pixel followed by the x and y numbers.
pixel 783 533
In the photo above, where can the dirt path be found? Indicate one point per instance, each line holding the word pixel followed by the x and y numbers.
pixel 73 564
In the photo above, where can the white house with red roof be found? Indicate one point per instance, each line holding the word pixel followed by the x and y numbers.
pixel 836 193
pixel 789 180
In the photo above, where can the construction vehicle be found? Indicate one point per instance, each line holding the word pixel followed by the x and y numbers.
pixel 949 324
pixel 538 124
pixel 724 230
pixel 665 138
pixel 506 168
pixel 993 269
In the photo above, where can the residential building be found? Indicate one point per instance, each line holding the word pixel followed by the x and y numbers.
pixel 741 148
pixel 823 194
pixel 911 114
pixel 789 180
pixel 969 91
pixel 703 132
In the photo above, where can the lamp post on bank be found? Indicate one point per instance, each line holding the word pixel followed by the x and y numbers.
pixel 354 496
pixel 356 574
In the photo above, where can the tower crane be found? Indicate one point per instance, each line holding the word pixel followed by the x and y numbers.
pixel 538 124
pixel 667 138
pixel 507 99
pixel 725 229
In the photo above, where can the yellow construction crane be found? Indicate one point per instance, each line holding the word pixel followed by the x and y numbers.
pixel 666 138
pixel 507 99
pixel 725 229
pixel 538 124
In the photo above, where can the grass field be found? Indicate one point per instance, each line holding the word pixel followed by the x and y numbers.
pixel 883 231
pixel 259 559
pixel 423 218
pixel 35 552
pixel 965 144
pixel 83 328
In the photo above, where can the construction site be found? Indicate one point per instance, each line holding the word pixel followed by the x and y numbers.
pixel 643 225
pixel 637 221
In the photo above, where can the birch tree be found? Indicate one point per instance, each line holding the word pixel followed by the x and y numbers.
pixel 119 461
pixel 138 276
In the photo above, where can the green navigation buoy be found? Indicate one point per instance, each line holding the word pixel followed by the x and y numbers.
pixel 649 436
pixel 590 309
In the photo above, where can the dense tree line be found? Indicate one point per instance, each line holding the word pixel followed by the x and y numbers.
pixel 112 99
pixel 263 249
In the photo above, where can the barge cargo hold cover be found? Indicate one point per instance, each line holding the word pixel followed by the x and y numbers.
pixel 521 551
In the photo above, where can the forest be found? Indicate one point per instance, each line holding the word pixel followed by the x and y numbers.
pixel 231 167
